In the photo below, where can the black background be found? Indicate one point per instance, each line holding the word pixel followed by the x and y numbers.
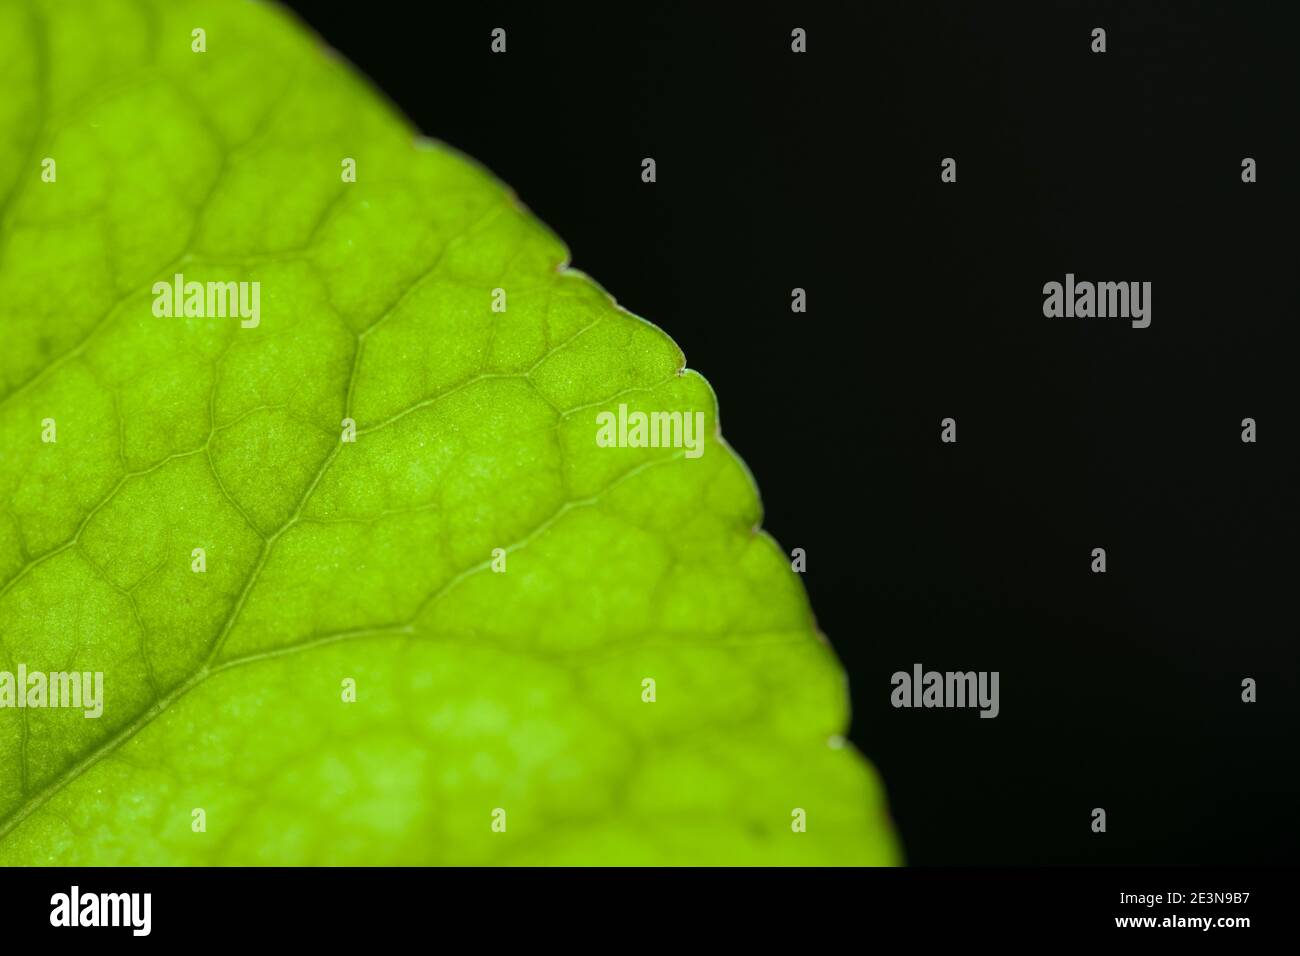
pixel 821 171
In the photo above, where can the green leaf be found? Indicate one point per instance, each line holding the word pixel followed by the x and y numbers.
pixel 371 562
